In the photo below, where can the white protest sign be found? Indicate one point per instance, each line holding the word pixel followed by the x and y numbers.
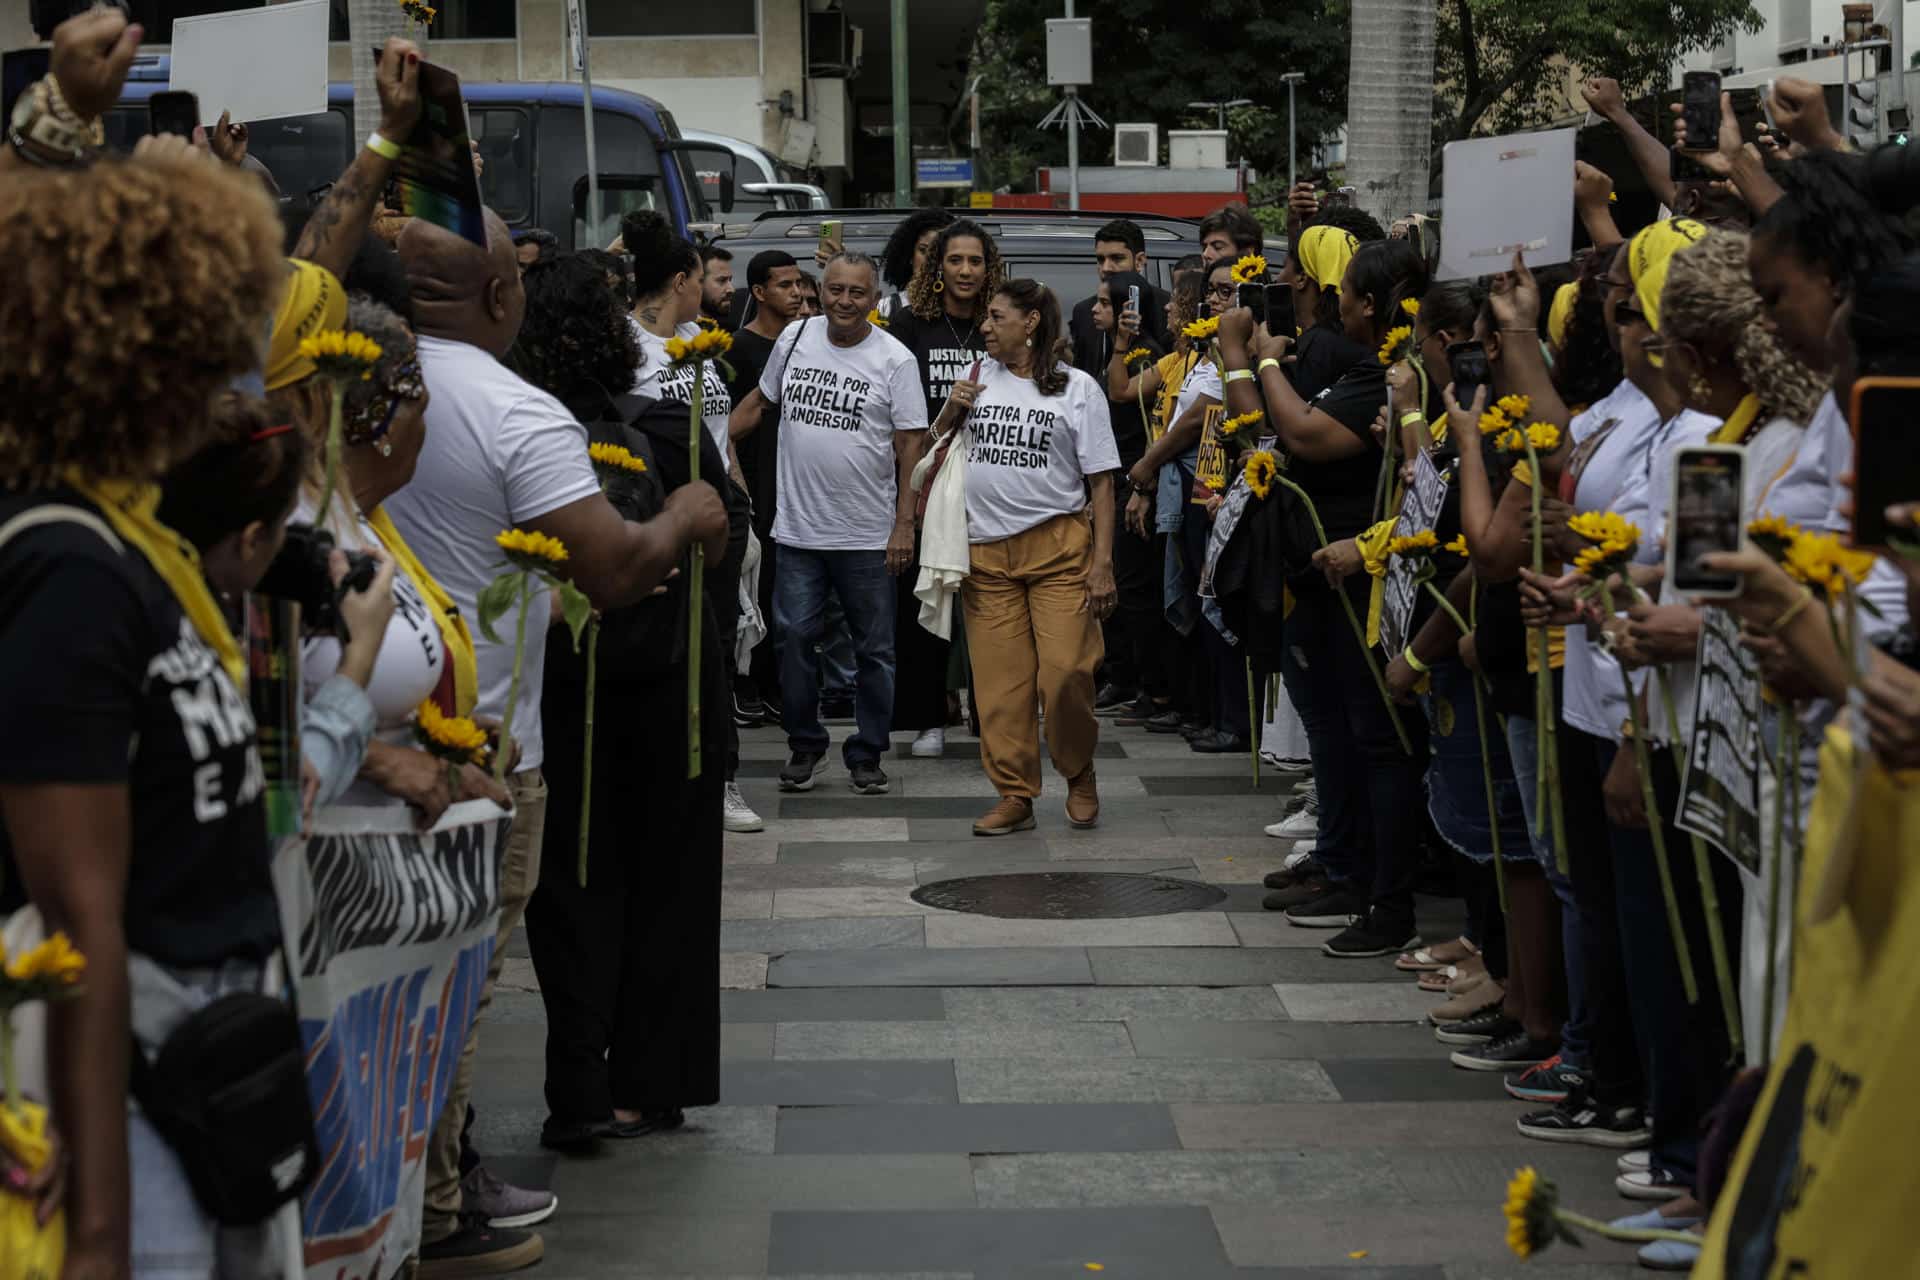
pixel 1502 195
pixel 1720 793
pixel 260 64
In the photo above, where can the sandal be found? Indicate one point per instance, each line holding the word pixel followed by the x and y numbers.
pixel 1437 957
pixel 1438 981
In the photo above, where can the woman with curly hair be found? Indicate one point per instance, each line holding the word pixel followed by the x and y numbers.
pixel 138 292
pixel 907 250
pixel 941 327
pixel 628 959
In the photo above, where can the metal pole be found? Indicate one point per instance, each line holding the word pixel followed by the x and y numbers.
pixel 1897 82
pixel 1073 139
pixel 576 13
pixel 902 113
pixel 1292 144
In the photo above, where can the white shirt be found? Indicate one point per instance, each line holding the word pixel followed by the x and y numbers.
pixel 839 408
pixel 659 378
pixel 499 454
pixel 1030 453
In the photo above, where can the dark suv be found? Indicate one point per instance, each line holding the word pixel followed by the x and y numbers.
pixel 1054 246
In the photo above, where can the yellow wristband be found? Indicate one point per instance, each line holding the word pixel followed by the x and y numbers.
pixel 1236 375
pixel 1408 419
pixel 1791 612
pixel 1415 662
pixel 381 145
pixel 1268 361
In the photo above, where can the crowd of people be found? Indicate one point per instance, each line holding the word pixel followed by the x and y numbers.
pixel 1405 536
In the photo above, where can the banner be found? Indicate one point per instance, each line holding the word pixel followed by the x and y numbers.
pixel 389 932
pixel 1720 791
pixel 1420 510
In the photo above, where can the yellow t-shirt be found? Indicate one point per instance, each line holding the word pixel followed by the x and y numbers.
pixel 1172 368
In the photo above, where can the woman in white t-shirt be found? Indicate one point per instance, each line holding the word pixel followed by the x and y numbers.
pixel 1041 580
pixel 666 285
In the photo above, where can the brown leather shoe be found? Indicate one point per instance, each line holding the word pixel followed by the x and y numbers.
pixel 1013 813
pixel 1083 801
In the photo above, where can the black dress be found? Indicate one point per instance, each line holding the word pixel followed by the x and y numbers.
pixel 629 965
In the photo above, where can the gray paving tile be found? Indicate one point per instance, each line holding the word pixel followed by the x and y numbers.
pixel 1130 1243
pixel 742 971
pixel 1243 899
pixel 1471 1174
pixel 855 855
pixel 1108 844
pixel 1018 861
pixel 1187 929
pixel 835 1084
pixel 853 873
pixel 1534 1269
pixel 1374 1080
pixel 746 1040
pixel 866 900
pixel 953 830
pixel 1259 1126
pixel 1138 1080
pixel 977 1128
pixel 731 1184
pixel 1392 1235
pixel 904 967
pixel 1348 1271
pixel 1190 1039
pixel 819 1004
pixel 804 828
pixel 1259 927
pixel 1095 1179
pixel 1277 786
pixel 510 1131
pixel 1356 1001
pixel 638 1240
pixel 964 747
pixel 745 904
pixel 777 936
pixel 1226 967
pixel 1110 1004
pixel 824 804
pixel 880 1041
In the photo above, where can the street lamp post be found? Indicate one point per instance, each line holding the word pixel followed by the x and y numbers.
pixel 1221 107
pixel 1292 79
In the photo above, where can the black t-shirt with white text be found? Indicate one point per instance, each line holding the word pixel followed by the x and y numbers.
pixel 757 452
pixel 1321 356
pixel 945 349
pixel 104 680
pixel 1343 490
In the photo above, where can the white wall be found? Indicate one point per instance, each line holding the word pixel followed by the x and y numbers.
pixel 716 104
pixel 1786 21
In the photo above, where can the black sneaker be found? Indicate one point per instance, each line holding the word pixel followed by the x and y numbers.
pixel 1299 873
pixel 1581 1120
pixel 1136 716
pixel 1220 743
pixel 1191 729
pixel 867 779
pixel 1112 698
pixel 571 1137
pixel 748 711
pixel 1511 1052
pixel 1370 936
pixel 1166 722
pixel 1488 1024
pixel 801 769
pixel 1337 908
pixel 476 1249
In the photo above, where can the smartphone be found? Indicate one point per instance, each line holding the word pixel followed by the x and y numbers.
pixel 20 69
pixel 1280 319
pixel 1886 466
pixel 1709 483
pixel 1338 196
pixel 829 235
pixel 1467 364
pixel 1254 298
pixel 173 111
pixel 1133 300
pixel 1700 110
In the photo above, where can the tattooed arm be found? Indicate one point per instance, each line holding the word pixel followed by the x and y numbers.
pixel 332 235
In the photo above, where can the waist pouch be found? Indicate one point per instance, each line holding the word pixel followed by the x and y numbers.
pixel 228 1093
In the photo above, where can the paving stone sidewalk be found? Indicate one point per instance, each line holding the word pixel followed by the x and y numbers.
pixel 910 1092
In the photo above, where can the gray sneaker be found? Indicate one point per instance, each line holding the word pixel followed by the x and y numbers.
pixel 868 780
pixel 502 1204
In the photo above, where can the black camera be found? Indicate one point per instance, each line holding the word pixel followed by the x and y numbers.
pixel 300 573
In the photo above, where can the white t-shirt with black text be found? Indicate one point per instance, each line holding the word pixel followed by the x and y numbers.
pixel 499 454
pixel 839 409
pixel 1030 454
pixel 661 379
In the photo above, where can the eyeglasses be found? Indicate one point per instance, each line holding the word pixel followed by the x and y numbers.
pixel 1228 290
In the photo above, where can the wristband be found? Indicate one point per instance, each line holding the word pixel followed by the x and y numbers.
pixel 1415 662
pixel 1237 375
pixel 1792 611
pixel 1408 419
pixel 1269 361
pixel 383 146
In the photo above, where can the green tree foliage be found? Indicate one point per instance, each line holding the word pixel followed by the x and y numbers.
pixel 1501 65
pixel 1151 58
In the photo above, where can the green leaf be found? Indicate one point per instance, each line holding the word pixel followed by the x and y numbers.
pixel 494 602
pixel 575 607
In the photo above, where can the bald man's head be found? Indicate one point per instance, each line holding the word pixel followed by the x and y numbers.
pixel 460 290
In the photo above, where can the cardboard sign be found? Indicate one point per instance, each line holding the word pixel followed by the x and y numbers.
pixel 1505 195
pixel 260 64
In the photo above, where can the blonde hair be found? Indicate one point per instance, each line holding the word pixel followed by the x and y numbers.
pixel 1709 302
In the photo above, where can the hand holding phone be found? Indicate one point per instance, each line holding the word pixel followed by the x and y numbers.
pixel 1467 364
pixel 1704 516
pixel 173 111
pixel 1700 110
pixel 829 241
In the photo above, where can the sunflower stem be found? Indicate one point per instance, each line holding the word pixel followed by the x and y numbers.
pixel 1784 760
pixel 1486 751
pixel 513 686
pixel 586 747
pixel 1627 1235
pixel 1253 726
pixel 696 578
pixel 331 452
pixel 1709 895
pixel 1547 776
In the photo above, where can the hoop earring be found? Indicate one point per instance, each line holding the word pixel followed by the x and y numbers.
pixel 939 284
pixel 1700 388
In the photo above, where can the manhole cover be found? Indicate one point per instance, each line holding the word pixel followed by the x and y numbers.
pixel 1068 895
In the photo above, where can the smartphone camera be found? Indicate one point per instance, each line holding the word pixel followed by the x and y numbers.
pixel 1254 298
pixel 1700 110
pixel 1708 483
pixel 1467 365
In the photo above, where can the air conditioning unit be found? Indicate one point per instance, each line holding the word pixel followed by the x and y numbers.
pixel 1136 145
pixel 833 46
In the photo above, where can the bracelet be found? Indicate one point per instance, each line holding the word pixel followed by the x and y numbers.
pixel 1146 490
pixel 1408 419
pixel 1518 329
pixel 1792 611
pixel 1237 375
pixel 1415 662
pixel 1269 362
pixel 383 146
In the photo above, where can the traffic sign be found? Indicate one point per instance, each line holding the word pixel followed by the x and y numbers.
pixel 980 200
pixel 943 171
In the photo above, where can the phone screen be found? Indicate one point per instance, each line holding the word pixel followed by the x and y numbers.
pixel 1707 491
pixel 22 67
pixel 1700 109
pixel 1254 298
pixel 1280 320
pixel 173 111
pixel 1886 466
pixel 1467 362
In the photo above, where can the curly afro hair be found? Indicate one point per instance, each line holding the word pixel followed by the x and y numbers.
pixel 576 337
pixel 137 290
pixel 922 296
pixel 896 259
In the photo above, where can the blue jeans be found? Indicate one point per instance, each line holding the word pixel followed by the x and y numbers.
pixel 860 582
pixel 1523 741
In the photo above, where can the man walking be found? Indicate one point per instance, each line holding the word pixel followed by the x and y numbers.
pixel 853 419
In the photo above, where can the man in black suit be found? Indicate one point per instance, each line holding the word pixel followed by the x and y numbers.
pixel 1118 246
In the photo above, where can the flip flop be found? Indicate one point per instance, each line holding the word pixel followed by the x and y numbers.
pixel 1438 981
pixel 1429 959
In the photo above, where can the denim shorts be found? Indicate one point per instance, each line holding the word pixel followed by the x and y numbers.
pixel 1456 782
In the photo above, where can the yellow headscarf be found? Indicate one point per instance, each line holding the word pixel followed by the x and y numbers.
pixel 314 301
pixel 453 627
pixel 1325 252
pixel 1560 314
pixel 1651 252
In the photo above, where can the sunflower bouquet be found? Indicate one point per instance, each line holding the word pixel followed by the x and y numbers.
pixel 530 557
pixel 50 971
pixel 339 357
pixel 456 741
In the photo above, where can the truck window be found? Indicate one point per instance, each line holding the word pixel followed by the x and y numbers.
pixel 621 144
pixel 302 152
pixel 505 135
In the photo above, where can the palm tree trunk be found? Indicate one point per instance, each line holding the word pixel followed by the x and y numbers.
pixel 370 23
pixel 1390 106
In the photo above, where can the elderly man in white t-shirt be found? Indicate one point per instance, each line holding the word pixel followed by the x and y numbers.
pixel 852 422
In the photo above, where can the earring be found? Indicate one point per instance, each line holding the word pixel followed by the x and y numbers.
pixel 939 284
pixel 1029 341
pixel 1700 388
pixel 385 446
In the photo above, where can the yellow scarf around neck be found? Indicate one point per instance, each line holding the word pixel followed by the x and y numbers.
pixel 453 627
pixel 130 508
pixel 1735 428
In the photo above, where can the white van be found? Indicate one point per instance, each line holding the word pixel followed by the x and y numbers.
pixel 760 182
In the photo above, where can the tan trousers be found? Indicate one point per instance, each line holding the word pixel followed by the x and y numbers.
pixel 1029 640
pixel 519 873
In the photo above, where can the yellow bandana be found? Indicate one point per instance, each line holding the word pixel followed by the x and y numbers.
pixel 1649 254
pixel 1560 314
pixel 314 301
pixel 1325 252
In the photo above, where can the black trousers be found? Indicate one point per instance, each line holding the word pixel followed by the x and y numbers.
pixel 920 659
pixel 1605 1001
pixel 1140 642
pixel 629 965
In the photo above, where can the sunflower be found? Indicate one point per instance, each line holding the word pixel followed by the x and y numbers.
pixel 1411 306
pixel 1773 535
pixel 1233 425
pixel 1261 469
pixel 454 739
pixel 1603 526
pixel 1819 561
pixel 419 11
pixel 1419 546
pixel 1510 440
pixel 877 320
pixel 1602 558
pixel 1531 1200
pixel 1494 421
pixel 1137 359
pixel 534 552
pixel 1201 330
pixel 1514 406
pixel 342 356
pixel 1394 346
pixel 1544 437
pixel 708 344
pixel 1250 270
pixel 1458 546
pixel 52 965
pixel 613 460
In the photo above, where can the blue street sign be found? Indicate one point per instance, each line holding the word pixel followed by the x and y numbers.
pixel 943 171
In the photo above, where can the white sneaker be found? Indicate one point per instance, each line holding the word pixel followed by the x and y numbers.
pixel 1634 1162
pixel 930 745
pixel 1302 825
pixel 734 813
